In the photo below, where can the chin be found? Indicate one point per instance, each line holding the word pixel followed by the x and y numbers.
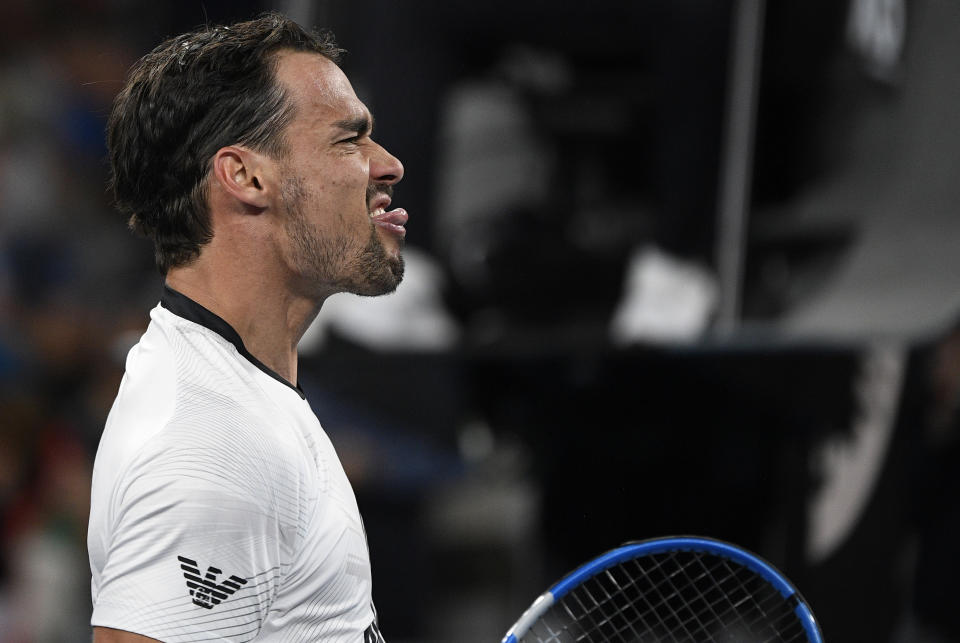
pixel 378 278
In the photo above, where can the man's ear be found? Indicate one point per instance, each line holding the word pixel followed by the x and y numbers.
pixel 242 173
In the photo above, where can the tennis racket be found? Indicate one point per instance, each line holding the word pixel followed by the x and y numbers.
pixel 670 590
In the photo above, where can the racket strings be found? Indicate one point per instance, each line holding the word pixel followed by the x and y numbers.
pixel 673 597
pixel 767 609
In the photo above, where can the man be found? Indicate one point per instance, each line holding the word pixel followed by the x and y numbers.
pixel 220 510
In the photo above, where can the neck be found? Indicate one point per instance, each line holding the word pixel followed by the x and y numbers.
pixel 269 319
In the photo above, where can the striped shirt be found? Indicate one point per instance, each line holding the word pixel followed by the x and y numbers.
pixel 220 510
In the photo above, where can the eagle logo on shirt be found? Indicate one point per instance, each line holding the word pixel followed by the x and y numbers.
pixel 206 591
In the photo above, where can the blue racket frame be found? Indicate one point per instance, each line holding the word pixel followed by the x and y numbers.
pixel 657 546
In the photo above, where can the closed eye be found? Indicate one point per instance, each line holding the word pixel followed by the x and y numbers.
pixel 361 126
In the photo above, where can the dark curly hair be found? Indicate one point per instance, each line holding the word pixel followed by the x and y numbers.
pixel 183 101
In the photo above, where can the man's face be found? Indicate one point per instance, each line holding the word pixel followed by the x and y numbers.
pixel 337 184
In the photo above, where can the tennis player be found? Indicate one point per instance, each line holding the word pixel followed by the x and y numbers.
pixel 220 510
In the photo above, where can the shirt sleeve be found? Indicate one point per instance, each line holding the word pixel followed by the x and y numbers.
pixel 204 521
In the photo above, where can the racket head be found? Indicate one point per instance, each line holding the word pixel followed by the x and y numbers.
pixel 802 628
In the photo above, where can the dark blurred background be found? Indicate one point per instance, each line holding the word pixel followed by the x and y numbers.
pixel 675 266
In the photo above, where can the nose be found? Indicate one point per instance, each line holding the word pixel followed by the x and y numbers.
pixel 385 167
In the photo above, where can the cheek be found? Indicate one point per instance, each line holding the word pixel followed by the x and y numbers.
pixel 340 189
pixel 352 174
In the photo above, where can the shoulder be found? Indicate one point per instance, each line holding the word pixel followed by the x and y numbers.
pixel 226 439
pixel 188 425
pixel 177 394
pixel 216 448
pixel 213 476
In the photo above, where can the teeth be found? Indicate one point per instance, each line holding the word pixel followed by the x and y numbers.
pixel 377 212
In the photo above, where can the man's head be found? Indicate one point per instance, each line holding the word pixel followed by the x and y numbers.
pixel 336 184
pixel 207 107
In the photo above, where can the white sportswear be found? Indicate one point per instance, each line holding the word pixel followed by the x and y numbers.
pixel 220 510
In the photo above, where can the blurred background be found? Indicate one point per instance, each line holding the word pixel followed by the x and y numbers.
pixel 674 266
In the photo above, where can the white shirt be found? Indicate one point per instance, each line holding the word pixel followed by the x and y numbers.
pixel 219 509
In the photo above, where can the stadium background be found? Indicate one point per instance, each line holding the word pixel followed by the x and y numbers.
pixel 495 434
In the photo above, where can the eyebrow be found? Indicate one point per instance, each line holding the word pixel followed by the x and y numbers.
pixel 361 124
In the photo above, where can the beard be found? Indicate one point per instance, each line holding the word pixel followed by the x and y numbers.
pixel 338 262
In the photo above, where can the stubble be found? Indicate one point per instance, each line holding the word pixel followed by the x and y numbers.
pixel 336 261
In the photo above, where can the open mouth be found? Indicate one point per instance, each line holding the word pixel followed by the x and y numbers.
pixel 391 220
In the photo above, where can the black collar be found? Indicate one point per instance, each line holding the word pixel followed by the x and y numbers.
pixel 183 306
